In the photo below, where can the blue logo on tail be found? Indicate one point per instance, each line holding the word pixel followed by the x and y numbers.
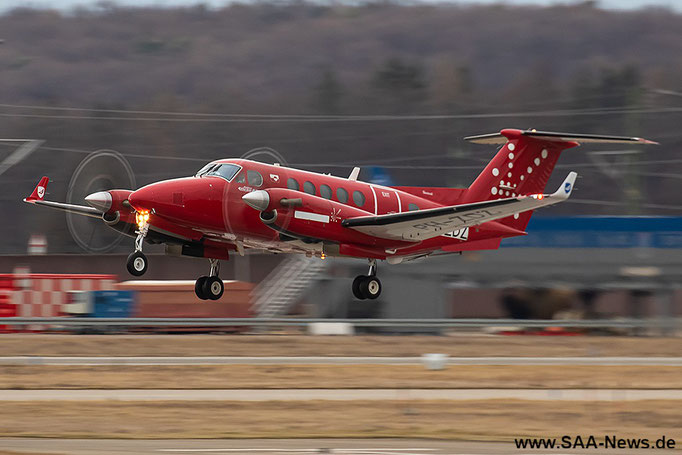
pixel 567 187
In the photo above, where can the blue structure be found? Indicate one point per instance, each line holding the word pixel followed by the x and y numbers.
pixel 600 232
pixel 112 304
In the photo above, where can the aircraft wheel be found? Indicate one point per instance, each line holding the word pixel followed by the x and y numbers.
pixel 137 263
pixel 370 287
pixel 199 287
pixel 356 287
pixel 213 288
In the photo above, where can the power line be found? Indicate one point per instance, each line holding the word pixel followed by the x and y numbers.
pixel 276 118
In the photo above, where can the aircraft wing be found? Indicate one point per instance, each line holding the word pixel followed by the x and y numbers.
pixel 38 198
pixel 425 224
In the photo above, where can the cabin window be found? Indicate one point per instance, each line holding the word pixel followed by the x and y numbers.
pixel 292 184
pixel 254 178
pixel 412 207
pixel 241 178
pixel 358 198
pixel 342 195
pixel 308 187
pixel 325 191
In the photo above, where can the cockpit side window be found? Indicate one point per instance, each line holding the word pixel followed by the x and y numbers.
pixel 226 171
pixel 254 178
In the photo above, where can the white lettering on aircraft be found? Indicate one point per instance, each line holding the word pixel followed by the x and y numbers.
pixel 460 234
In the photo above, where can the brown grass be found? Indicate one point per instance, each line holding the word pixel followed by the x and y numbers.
pixel 336 376
pixel 296 345
pixel 470 420
pixel 6 452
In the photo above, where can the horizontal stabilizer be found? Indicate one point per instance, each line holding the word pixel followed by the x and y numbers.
pixel 500 138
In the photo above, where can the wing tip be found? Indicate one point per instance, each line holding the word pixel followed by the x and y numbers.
pixel 566 188
pixel 39 191
pixel 646 141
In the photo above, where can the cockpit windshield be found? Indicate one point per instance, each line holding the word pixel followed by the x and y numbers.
pixel 224 170
pixel 204 169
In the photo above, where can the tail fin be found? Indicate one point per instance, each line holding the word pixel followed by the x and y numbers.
pixel 524 163
pixel 39 191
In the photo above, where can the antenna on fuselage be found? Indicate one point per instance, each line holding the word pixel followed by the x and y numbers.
pixel 354 173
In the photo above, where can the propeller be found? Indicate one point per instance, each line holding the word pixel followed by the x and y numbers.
pixel 100 171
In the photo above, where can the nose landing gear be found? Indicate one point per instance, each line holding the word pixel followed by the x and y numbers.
pixel 367 286
pixel 137 261
pixel 210 287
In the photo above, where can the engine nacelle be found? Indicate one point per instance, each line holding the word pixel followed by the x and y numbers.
pixel 117 212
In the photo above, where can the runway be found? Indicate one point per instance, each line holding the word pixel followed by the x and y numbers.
pixel 339 394
pixel 319 360
pixel 277 447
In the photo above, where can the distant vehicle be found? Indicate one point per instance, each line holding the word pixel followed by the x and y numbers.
pixel 235 204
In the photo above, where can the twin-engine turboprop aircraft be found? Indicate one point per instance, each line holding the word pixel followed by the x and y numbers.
pixel 235 204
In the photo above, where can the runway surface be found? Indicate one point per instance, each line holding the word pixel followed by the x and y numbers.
pixel 226 360
pixel 277 447
pixel 339 394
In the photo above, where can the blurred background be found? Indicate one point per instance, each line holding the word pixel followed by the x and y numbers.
pixel 112 95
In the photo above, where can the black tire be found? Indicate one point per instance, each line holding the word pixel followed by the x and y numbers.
pixel 370 287
pixel 137 263
pixel 356 287
pixel 213 288
pixel 199 287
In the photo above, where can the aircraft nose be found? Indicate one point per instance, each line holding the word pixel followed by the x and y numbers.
pixel 100 200
pixel 142 199
pixel 258 200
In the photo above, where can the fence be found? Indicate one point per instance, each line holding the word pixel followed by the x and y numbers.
pixel 656 323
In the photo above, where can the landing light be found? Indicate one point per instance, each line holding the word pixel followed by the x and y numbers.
pixel 141 218
pixel 539 197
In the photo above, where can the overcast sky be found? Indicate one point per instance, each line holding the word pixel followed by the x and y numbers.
pixel 69 4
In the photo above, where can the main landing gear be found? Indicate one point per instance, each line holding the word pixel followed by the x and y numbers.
pixel 210 287
pixel 367 286
pixel 137 261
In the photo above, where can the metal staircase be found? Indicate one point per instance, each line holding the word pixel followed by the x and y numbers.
pixel 280 290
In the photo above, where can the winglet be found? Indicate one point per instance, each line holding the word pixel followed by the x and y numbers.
pixel 39 191
pixel 566 188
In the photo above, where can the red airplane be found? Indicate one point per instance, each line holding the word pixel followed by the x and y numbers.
pixel 235 204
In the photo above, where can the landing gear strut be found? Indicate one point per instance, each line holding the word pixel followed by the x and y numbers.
pixel 210 287
pixel 367 286
pixel 137 261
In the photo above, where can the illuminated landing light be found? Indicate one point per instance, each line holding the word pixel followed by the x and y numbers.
pixel 323 256
pixel 539 197
pixel 141 218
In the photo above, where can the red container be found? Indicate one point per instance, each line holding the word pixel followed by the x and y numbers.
pixel 7 310
pixel 7 282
